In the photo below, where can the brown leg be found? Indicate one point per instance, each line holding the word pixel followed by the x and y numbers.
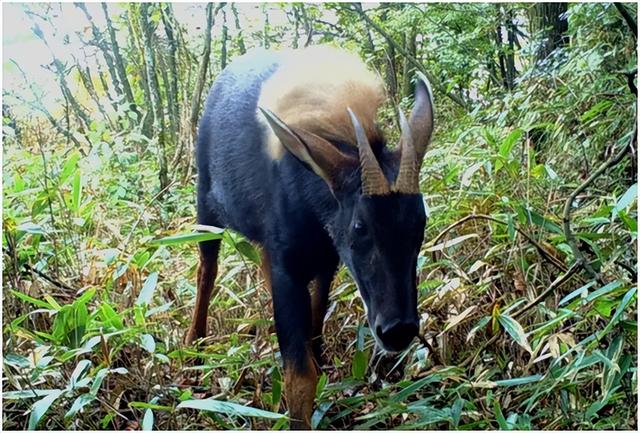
pixel 207 270
pixel 319 290
pixel 265 265
pixel 300 389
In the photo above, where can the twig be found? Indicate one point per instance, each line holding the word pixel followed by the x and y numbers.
pixel 628 19
pixel 543 252
pixel 552 287
pixel 629 269
pixel 566 215
pixel 124 244
pixel 29 268
pixel 435 82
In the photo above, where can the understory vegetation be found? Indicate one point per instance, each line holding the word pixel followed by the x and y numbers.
pixel 527 277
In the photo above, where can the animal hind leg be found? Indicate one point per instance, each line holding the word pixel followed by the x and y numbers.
pixel 207 271
pixel 319 301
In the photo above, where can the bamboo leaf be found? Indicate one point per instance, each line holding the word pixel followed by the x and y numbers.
pixel 228 408
pixel 514 329
pixel 186 238
pixel 144 298
pixel 40 408
pixel 449 243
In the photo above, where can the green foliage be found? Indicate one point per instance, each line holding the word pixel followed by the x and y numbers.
pixel 100 251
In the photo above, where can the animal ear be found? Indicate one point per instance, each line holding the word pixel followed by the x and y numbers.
pixel 421 118
pixel 319 154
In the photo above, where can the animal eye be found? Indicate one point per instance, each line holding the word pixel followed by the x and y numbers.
pixel 359 228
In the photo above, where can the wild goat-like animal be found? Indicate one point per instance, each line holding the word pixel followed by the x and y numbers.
pixel 289 155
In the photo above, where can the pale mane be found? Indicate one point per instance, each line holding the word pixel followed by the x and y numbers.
pixel 312 89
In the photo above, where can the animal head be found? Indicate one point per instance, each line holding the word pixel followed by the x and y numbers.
pixel 378 225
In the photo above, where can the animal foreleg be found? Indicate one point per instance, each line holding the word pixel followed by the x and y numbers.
pixel 292 311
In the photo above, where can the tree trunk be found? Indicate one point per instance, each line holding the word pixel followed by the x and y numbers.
pixel 407 67
pixel 85 77
pixel 266 28
pixel 202 71
pixel 154 87
pixel 240 38
pixel 119 63
pixel 549 25
pixel 224 36
pixel 100 43
pixel 171 78
pixel 78 110
pixel 147 117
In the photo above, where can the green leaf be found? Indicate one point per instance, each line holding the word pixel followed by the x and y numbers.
pixel 479 325
pixel 76 192
pixel 228 408
pixel 33 301
pixel 40 408
pixel 27 393
pixel 69 166
pixel 97 380
pixel 247 250
pixel 507 144
pixel 359 365
pixel 16 360
pixel 519 380
pixel 581 291
pixel 551 172
pixel 188 237
pixel 626 200
pixel 604 290
pixel 78 404
pixel 537 219
pixel 149 286
pixel 147 420
pixel 626 300
pixel 32 228
pixel 148 343
pixel 145 405
pixel 514 329
pixel 78 371
pixel 499 416
pixel 414 387
pixel 276 387
pixel 449 243
pixel 595 110
pixel 468 174
pixel 110 317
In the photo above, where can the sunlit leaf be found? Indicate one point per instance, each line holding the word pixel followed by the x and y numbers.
pixel 40 408
pixel 149 286
pixel 228 408
pixel 514 329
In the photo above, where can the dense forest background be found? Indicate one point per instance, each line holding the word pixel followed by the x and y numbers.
pixel 527 276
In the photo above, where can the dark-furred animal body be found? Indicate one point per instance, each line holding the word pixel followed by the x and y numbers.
pixel 289 154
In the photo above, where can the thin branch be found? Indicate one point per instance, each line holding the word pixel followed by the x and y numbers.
pixel 552 287
pixel 27 267
pixel 543 252
pixel 628 19
pixel 434 81
pixel 566 215
pixel 557 283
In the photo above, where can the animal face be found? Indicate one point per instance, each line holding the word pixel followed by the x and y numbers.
pixel 378 238
pixel 377 226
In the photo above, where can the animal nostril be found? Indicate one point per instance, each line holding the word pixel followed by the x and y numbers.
pixel 397 335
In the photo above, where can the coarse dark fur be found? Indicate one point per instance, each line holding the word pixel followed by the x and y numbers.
pixel 305 226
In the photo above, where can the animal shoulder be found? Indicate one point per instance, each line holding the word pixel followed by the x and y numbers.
pixel 312 89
